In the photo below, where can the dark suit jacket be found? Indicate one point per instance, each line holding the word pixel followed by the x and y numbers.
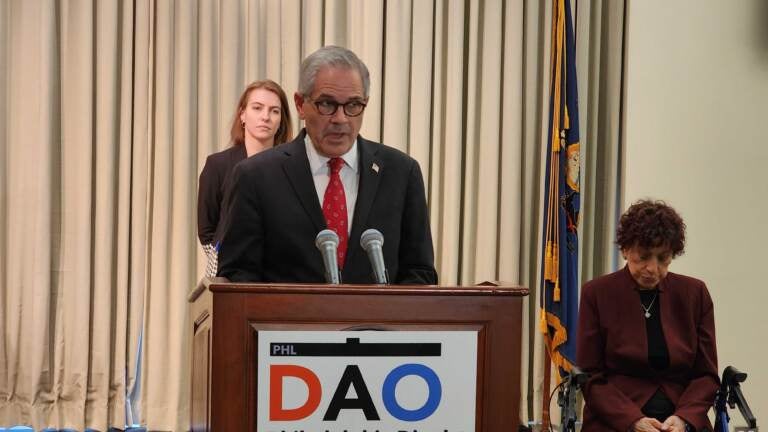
pixel 612 345
pixel 213 180
pixel 274 217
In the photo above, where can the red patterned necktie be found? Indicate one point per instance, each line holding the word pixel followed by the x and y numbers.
pixel 335 207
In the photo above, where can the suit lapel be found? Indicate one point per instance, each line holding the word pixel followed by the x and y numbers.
pixel 296 167
pixel 670 329
pixel 371 169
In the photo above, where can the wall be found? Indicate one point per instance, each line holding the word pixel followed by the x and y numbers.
pixel 696 87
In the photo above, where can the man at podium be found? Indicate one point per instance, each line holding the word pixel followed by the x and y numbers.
pixel 329 177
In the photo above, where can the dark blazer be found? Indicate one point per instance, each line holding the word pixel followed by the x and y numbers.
pixel 213 180
pixel 274 217
pixel 612 345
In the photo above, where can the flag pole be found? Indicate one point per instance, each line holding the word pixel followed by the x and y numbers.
pixel 545 422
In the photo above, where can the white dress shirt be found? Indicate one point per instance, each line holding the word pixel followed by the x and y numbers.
pixel 349 174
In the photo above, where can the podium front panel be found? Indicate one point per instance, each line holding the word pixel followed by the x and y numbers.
pixel 241 312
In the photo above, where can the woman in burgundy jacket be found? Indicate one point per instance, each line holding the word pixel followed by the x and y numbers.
pixel 647 336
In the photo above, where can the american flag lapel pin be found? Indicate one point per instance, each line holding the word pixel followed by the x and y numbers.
pixel 375 167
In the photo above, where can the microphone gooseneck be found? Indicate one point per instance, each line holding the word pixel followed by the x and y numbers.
pixel 327 242
pixel 373 241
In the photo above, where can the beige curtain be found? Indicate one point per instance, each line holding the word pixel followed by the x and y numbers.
pixel 73 233
pixel 600 52
pixel 109 108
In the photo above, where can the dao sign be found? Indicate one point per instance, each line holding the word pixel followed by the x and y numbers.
pixel 366 381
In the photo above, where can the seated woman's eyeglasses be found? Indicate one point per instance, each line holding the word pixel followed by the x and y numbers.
pixel 329 107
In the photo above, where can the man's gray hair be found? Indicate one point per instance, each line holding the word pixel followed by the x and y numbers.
pixel 334 56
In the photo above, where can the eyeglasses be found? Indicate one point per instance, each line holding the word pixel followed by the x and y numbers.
pixel 329 107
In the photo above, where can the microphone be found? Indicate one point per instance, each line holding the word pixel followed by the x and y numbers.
pixel 372 241
pixel 327 242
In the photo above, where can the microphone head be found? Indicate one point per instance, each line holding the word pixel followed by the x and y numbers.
pixel 370 237
pixel 326 236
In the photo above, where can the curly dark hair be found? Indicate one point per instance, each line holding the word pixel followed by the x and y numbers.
pixel 650 224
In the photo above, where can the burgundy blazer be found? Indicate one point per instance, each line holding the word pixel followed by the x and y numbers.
pixel 612 346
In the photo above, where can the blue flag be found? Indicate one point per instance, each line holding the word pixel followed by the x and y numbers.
pixel 559 294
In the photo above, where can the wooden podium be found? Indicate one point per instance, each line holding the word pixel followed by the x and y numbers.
pixel 228 316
